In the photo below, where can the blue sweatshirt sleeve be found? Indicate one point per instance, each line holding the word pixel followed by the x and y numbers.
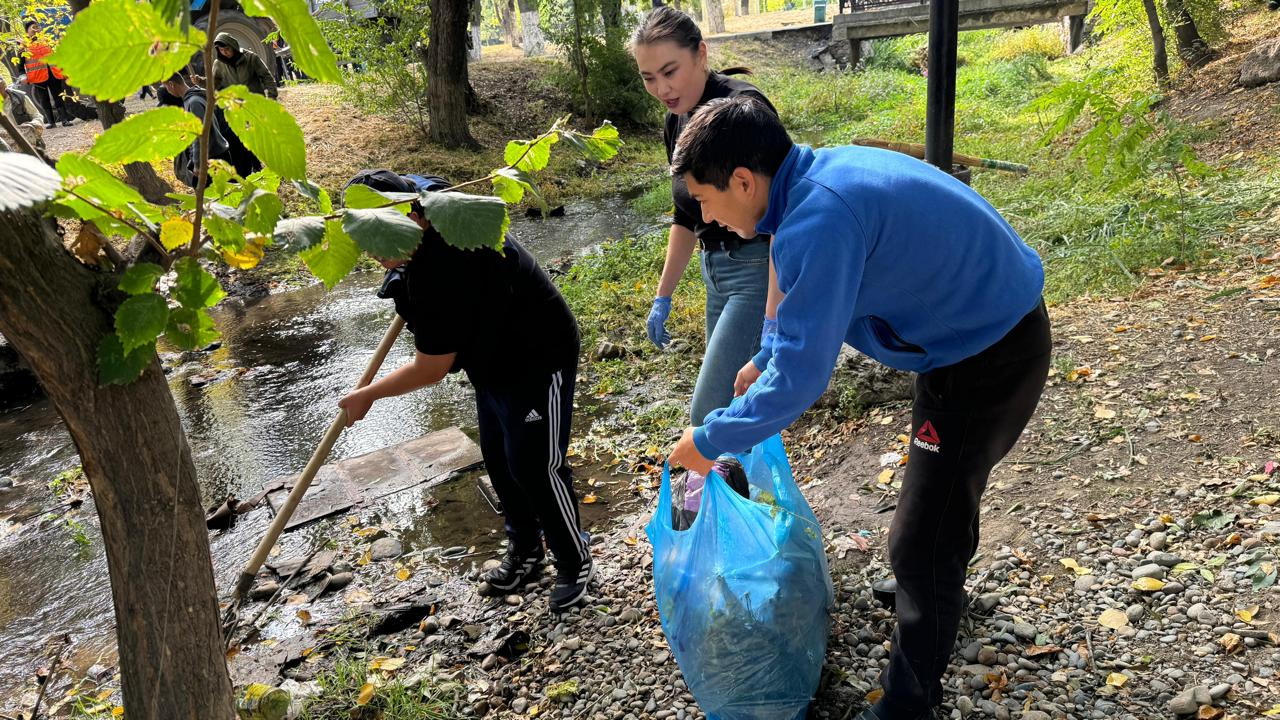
pixel 821 272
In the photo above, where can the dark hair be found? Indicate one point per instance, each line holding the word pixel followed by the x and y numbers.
pixel 666 24
pixel 177 77
pixel 730 133
pixel 27 25
pixel 387 181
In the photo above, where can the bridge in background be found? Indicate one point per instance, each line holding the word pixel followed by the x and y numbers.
pixel 871 19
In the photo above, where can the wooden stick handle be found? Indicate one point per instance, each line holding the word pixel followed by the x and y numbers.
pixel 317 460
pixel 916 150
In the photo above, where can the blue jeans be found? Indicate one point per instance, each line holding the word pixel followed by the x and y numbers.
pixel 737 286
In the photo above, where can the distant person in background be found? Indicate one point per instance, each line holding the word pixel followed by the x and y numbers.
pixel 186 166
pixel 234 66
pixel 47 81
pixel 146 92
pixel 21 112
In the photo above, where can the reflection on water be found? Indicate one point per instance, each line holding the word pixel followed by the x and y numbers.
pixel 303 351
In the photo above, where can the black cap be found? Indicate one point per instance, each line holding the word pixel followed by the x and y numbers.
pixel 387 181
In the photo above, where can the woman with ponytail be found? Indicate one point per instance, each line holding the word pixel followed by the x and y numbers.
pixel 672 58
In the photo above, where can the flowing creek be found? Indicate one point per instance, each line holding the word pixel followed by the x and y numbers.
pixel 303 350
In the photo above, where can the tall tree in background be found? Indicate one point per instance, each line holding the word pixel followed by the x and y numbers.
pixel 476 42
pixel 611 15
pixel 713 14
pixel 447 82
pixel 744 7
pixel 534 42
pixel 1159 57
pixel 505 10
pixel 1192 48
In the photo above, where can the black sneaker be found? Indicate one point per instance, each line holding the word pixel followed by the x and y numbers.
pixel 517 569
pixel 571 587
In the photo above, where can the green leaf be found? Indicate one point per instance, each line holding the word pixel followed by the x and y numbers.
pixel 1207 574
pixel 467 221
pixel 296 234
pixel 174 11
pixel 537 155
pixel 190 328
pixel 264 180
pixel 141 278
pixel 1263 578
pixel 115 47
pixel 93 182
pixel 74 208
pixel 267 129
pixel 226 233
pixel 310 51
pixel 599 145
pixel 25 181
pixel 196 287
pixel 262 211
pixel 140 320
pixel 1213 519
pixel 116 367
pixel 511 184
pixel 384 233
pixel 157 134
pixel 315 193
pixel 333 257
pixel 363 196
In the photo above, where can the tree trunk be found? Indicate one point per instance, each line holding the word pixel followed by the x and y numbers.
pixel 744 7
pixel 713 11
pixel 136 458
pixel 534 41
pixel 1159 57
pixel 140 175
pixel 1192 48
pixel 475 42
pixel 577 56
pixel 447 82
pixel 611 15
pixel 506 12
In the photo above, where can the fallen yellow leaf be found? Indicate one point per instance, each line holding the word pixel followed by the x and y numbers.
pixel 1265 283
pixel 365 558
pixel 175 232
pixel 1117 679
pixel 1232 642
pixel 1275 710
pixel 1247 614
pixel 1268 500
pixel 1113 618
pixel 1209 712
pixel 388 664
pixel 366 694
pixel 590 500
pixel 1207 338
pixel 1072 565
pixel 874 695
pixel 630 540
pixel 403 574
pixel 1103 413
pixel 885 476
pixel 117 711
pixel 305 617
pixel 1147 584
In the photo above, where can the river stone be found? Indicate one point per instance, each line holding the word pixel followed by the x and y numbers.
pixel 1165 559
pixel 987 656
pixel 1135 612
pixel 472 631
pixel 519 705
pixel 1151 570
pixel 1219 691
pixel 1024 631
pixel 385 549
pixel 872 382
pixel 964 705
pixel 1085 583
pixel 1262 64
pixel 264 590
pixel 6 483
pixel 1157 540
pixel 1036 715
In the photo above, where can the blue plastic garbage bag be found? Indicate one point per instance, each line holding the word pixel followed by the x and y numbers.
pixel 744 592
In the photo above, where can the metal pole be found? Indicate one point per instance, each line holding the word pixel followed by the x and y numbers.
pixel 940 115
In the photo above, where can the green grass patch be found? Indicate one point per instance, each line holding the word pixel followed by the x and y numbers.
pixel 391 699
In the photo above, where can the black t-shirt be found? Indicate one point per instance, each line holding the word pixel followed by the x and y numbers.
pixel 498 311
pixel 687 211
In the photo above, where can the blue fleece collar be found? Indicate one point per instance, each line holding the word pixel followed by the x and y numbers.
pixel 778 187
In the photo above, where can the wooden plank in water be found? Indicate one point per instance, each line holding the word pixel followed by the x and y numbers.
pixel 342 485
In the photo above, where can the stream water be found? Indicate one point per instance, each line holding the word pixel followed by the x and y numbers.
pixel 303 350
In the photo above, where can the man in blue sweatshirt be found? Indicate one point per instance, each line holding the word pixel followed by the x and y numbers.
pixel 914 269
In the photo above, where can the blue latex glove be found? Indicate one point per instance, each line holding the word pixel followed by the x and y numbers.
pixel 770 327
pixel 657 324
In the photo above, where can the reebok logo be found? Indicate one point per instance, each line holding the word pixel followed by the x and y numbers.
pixel 533 416
pixel 927 438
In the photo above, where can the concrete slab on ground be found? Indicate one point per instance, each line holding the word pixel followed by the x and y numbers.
pixel 342 485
